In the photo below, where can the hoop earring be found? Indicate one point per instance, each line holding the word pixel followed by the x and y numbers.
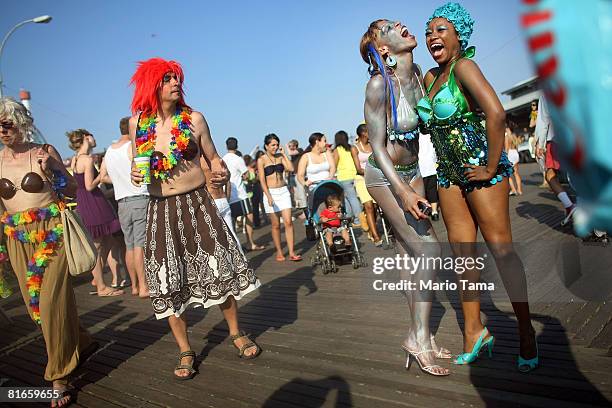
pixel 391 61
pixel 371 68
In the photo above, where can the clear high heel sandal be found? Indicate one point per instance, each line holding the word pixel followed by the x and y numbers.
pixel 410 355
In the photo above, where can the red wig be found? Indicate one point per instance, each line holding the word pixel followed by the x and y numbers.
pixel 147 81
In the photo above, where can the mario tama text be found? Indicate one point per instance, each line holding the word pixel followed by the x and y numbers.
pixel 427 285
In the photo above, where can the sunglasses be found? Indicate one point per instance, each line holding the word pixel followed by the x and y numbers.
pixel 168 77
pixel 7 125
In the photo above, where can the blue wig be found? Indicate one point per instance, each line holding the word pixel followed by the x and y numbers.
pixel 459 17
pixel 383 71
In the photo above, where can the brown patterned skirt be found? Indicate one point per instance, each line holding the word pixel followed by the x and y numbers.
pixel 191 256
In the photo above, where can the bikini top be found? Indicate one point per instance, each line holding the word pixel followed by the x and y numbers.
pixel 272 168
pixel 448 103
pixel 32 182
pixel 407 118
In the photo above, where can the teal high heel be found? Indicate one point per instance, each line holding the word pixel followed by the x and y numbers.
pixel 467 358
pixel 525 366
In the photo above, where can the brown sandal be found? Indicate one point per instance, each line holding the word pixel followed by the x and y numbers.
pixel 249 344
pixel 188 367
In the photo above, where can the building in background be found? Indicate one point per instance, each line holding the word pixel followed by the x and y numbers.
pixel 518 109
pixel 519 106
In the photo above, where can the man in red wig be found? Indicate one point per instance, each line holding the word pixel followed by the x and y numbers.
pixel 191 257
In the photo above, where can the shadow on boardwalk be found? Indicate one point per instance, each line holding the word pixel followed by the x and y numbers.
pixel 275 307
pixel 558 377
pixel 313 394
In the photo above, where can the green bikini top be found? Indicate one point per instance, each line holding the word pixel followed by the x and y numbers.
pixel 448 103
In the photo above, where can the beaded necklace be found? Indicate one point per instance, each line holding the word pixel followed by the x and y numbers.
pixel 146 137
pixel 46 241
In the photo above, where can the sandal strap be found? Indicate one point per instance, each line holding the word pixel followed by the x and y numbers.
pixel 184 367
pixel 423 351
pixel 189 353
pixel 246 346
pixel 429 367
pixel 240 334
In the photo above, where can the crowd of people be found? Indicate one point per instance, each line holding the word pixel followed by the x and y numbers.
pixel 423 148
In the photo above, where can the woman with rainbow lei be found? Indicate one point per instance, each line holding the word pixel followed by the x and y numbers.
pixel 32 182
pixel 473 172
pixel 191 256
pixel 392 174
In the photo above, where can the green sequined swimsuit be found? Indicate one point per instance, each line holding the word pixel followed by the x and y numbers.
pixel 458 136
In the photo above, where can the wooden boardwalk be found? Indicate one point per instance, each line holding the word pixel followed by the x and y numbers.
pixel 331 342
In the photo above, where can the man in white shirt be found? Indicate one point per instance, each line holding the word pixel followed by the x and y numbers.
pixel 132 202
pixel 240 204
pixel 546 147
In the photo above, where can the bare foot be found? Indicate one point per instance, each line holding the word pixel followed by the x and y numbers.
pixel 144 295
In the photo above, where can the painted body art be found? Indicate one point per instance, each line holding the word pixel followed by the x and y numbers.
pixel 391 173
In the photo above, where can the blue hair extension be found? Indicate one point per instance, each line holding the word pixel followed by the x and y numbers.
pixel 387 78
pixel 459 17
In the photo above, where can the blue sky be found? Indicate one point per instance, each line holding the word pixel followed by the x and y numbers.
pixel 288 67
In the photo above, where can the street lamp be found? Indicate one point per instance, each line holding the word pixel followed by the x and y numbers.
pixel 37 20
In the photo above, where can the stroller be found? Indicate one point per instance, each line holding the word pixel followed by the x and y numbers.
pixel 387 231
pixel 339 253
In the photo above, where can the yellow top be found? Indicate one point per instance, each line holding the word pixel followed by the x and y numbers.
pixel 346 166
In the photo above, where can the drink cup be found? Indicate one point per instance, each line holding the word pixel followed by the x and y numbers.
pixel 143 164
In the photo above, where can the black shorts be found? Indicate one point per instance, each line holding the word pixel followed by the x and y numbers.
pixel 431 188
pixel 242 207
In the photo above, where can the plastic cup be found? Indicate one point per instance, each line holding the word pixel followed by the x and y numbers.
pixel 143 164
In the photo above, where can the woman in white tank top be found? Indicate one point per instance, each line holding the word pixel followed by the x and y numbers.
pixel 364 151
pixel 316 165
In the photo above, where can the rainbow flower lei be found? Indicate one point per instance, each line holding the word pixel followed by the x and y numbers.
pixel 46 241
pixel 145 142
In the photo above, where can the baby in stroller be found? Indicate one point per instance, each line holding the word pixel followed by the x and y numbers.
pixel 331 218
pixel 332 230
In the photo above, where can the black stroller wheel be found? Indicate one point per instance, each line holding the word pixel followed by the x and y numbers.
pixel 363 262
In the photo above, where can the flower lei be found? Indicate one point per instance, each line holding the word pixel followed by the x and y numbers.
pixel 145 142
pixel 46 241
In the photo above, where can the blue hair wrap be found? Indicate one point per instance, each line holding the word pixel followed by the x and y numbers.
pixel 387 78
pixel 459 17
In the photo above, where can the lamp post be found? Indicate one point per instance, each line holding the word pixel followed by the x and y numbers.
pixel 38 20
